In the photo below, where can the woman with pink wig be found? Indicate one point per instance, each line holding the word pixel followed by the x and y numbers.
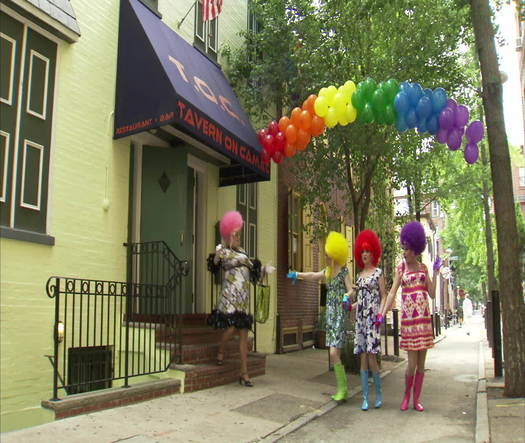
pixel 371 297
pixel 231 313
pixel 416 324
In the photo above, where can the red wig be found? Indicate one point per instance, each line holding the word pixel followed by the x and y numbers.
pixel 367 241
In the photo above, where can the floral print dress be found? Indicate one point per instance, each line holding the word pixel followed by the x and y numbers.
pixel 232 305
pixel 367 335
pixel 335 314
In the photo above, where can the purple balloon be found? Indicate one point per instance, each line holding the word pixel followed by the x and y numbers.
pixel 461 115
pixel 442 135
pixel 454 139
pixel 475 131
pixel 446 119
pixel 451 103
pixel 471 153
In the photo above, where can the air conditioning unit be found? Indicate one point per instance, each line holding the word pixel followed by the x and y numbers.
pixel 519 44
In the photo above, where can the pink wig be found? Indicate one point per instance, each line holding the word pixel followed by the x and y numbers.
pixel 230 222
pixel 367 241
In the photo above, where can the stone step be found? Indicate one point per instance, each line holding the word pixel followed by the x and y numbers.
pixel 204 376
pixel 207 352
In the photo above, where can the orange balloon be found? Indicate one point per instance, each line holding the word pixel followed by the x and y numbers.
pixel 291 134
pixel 283 123
pixel 289 150
pixel 305 120
pixel 317 127
pixel 296 112
pixel 303 138
pixel 308 104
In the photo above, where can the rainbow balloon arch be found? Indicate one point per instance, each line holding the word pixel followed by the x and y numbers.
pixel 406 105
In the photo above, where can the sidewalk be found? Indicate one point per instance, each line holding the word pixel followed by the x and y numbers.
pixel 500 418
pixel 296 389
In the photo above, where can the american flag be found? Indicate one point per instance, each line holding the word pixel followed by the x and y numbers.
pixel 211 9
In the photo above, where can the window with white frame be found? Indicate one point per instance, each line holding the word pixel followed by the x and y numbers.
pixel 435 210
pixel 27 84
pixel 206 33
pixel 247 206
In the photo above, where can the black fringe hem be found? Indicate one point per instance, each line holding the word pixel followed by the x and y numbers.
pixel 239 320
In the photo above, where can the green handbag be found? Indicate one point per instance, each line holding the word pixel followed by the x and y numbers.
pixel 262 308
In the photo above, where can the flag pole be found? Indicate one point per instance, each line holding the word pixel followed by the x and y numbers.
pixel 184 18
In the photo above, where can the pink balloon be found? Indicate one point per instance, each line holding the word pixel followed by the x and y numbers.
pixel 454 139
pixel 475 131
pixel 442 135
pixel 471 153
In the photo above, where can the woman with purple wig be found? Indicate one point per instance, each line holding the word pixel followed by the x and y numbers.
pixel 416 324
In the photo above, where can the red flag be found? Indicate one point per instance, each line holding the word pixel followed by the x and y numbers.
pixel 211 9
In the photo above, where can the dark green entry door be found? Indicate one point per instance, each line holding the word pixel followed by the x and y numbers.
pixel 167 202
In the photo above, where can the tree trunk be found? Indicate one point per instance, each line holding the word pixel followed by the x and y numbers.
pixel 513 309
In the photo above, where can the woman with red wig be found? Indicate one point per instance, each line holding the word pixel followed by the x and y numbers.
pixel 231 312
pixel 370 286
pixel 416 324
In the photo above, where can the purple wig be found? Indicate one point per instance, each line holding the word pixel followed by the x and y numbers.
pixel 413 237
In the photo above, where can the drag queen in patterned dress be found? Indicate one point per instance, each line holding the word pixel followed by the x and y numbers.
pixel 338 285
pixel 371 297
pixel 231 312
pixel 416 324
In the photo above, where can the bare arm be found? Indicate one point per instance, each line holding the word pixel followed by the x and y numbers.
pixel 392 293
pixel 311 276
pixel 382 293
pixel 431 283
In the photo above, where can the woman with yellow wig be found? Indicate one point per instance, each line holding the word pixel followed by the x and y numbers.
pixel 338 285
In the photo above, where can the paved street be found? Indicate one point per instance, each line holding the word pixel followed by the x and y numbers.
pixel 449 396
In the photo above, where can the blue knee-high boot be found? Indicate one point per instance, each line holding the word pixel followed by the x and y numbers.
pixel 364 386
pixel 379 395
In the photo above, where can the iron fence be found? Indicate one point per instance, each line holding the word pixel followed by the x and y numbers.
pixel 106 331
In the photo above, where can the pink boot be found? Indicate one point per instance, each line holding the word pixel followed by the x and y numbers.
pixel 409 380
pixel 418 385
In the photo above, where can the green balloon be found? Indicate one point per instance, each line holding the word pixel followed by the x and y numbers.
pixel 370 86
pixel 378 101
pixel 367 116
pixel 390 114
pixel 358 99
pixel 392 89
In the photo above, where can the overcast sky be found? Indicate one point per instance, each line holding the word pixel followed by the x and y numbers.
pixel 509 60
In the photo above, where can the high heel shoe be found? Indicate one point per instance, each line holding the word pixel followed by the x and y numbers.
pixel 244 382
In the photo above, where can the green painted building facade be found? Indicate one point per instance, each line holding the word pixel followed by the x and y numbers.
pixel 72 195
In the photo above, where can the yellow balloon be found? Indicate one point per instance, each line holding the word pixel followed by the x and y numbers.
pixel 343 121
pixel 322 92
pixel 350 113
pixel 339 103
pixel 321 106
pixel 331 117
pixel 349 87
pixel 330 93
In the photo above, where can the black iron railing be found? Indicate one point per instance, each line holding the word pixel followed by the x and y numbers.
pixel 109 330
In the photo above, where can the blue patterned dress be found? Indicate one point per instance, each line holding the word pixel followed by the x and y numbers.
pixel 335 315
pixel 367 335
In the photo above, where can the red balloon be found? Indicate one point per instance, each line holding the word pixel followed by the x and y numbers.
pixel 265 157
pixel 261 134
pixel 269 144
pixel 277 157
pixel 273 128
pixel 279 141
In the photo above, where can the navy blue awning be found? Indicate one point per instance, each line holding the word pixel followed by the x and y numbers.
pixel 163 80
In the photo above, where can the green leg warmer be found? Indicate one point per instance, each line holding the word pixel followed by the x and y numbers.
pixel 340 376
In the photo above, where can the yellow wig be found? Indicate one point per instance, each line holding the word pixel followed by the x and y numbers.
pixel 336 247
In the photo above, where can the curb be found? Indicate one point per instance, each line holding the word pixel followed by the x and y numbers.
pixel 482 411
pixel 283 431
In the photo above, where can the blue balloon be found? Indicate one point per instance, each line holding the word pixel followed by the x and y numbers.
pixel 411 118
pixel 424 108
pixel 433 124
pixel 422 128
pixel 401 125
pixel 404 86
pixel 428 92
pixel 439 100
pixel 401 102
pixel 414 94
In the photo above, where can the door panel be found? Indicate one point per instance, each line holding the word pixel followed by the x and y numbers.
pixel 165 205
